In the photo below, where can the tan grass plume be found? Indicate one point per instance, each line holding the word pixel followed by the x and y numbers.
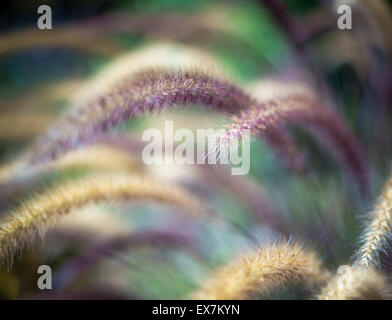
pixel 263 271
pixel 32 218
pixel 355 283
pixel 378 229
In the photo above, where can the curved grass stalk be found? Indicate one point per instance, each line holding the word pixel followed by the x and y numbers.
pixel 262 272
pixel 104 154
pixel 32 218
pixel 149 91
pixel 156 90
pixel 160 55
pixel 16 180
pixel 378 229
pixel 152 91
pixel 292 29
pixel 279 138
pixel 357 284
pixel 124 67
pixel 89 223
pixel 378 17
pixel 97 156
pixel 307 112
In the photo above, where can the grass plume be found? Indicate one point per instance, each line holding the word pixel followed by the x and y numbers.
pixel 378 229
pixel 16 180
pixel 307 112
pixel 88 224
pixel 149 91
pixel 263 271
pixel 356 284
pixel 160 55
pixel 160 89
pixel 32 218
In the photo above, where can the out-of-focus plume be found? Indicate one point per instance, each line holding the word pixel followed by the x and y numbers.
pixel 33 217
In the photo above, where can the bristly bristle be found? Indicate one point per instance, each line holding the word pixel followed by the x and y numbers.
pixel 149 91
pixel 263 271
pixel 357 284
pixel 378 229
pixel 307 112
pixel 33 217
pixel 198 150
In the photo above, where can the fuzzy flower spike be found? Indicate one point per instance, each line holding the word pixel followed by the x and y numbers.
pixel 261 272
pixel 33 217
pixel 307 112
pixel 147 92
pixel 378 230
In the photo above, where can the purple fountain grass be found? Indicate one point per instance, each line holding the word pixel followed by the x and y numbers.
pixel 293 30
pixel 263 271
pixel 357 284
pixel 149 91
pixel 160 89
pixel 156 90
pixel 323 122
pixel 32 218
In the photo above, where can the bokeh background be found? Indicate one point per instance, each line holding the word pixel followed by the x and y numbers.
pixel 40 74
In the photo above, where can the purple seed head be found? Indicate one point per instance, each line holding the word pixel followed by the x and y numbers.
pixel 324 123
pixel 149 91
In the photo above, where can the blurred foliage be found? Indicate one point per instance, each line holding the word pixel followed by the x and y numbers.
pixel 319 207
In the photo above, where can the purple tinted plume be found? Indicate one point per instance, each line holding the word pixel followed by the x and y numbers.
pixel 150 91
pixel 324 123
